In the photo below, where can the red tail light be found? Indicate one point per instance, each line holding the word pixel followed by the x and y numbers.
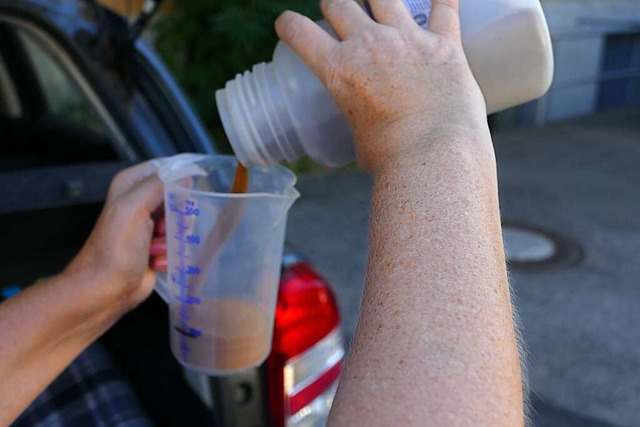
pixel 308 349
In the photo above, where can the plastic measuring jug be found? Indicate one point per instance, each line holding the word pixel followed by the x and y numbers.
pixel 224 257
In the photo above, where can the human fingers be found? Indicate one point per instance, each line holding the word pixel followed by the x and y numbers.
pixel 162 226
pixel 158 251
pixel 138 249
pixel 346 17
pixel 129 177
pixel 160 222
pixel 158 246
pixel 307 39
pixel 445 19
pixel 159 263
pixel 145 195
pixel 391 12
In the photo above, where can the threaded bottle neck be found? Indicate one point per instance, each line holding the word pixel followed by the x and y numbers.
pixel 254 114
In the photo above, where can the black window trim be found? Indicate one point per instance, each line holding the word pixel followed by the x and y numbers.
pixel 171 102
pixel 24 16
pixel 20 71
pixel 72 184
pixel 120 144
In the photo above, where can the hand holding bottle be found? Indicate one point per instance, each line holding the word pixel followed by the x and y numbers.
pixel 399 86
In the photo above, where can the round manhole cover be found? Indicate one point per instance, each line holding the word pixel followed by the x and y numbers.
pixel 531 247
pixel 524 245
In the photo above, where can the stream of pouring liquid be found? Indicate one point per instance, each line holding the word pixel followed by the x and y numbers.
pixel 227 221
pixel 241 180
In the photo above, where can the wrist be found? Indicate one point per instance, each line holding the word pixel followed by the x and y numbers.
pixel 420 134
pixel 455 148
pixel 101 301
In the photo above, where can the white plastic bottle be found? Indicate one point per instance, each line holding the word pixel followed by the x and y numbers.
pixel 281 111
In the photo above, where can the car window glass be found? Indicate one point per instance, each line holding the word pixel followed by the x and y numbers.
pixel 63 96
pixel 67 129
pixel 9 104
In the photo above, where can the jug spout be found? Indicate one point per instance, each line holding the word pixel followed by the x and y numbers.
pixel 290 197
pixel 179 166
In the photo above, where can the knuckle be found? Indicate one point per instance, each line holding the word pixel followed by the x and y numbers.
pixel 123 213
pixel 447 49
pixel 452 49
pixel 116 184
pixel 333 78
pixel 340 70
pixel 120 212
pixel 369 42
pixel 117 180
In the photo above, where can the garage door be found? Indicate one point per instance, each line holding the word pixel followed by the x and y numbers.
pixel 620 82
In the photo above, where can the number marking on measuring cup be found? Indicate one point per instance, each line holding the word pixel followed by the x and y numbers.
pixel 190 300
pixel 193 239
pixel 182 271
pixel 191 333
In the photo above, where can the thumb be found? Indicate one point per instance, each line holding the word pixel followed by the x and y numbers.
pixel 126 179
pixel 146 194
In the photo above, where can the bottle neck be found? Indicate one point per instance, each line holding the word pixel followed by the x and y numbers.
pixel 254 114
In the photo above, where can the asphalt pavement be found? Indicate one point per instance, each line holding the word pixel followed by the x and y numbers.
pixel 578 180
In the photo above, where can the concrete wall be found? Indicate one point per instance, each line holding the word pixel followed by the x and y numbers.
pixel 579 29
pixel 571 14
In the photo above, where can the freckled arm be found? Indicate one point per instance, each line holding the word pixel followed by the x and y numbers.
pixel 435 343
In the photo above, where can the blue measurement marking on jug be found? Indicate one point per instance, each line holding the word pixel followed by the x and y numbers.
pixel 182 271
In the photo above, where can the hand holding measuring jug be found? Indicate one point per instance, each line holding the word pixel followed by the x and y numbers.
pixel 117 251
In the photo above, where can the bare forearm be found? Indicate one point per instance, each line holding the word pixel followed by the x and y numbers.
pixel 42 330
pixel 45 327
pixel 435 330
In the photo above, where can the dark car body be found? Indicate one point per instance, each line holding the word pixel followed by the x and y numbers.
pixel 78 103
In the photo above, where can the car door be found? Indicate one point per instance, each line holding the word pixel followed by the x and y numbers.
pixel 60 145
pixel 64 133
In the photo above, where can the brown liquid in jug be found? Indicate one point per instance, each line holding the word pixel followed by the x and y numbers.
pixel 226 223
pixel 235 333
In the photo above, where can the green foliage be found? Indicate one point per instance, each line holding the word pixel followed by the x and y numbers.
pixel 207 42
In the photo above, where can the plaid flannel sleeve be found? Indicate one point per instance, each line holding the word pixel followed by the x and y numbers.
pixel 90 392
